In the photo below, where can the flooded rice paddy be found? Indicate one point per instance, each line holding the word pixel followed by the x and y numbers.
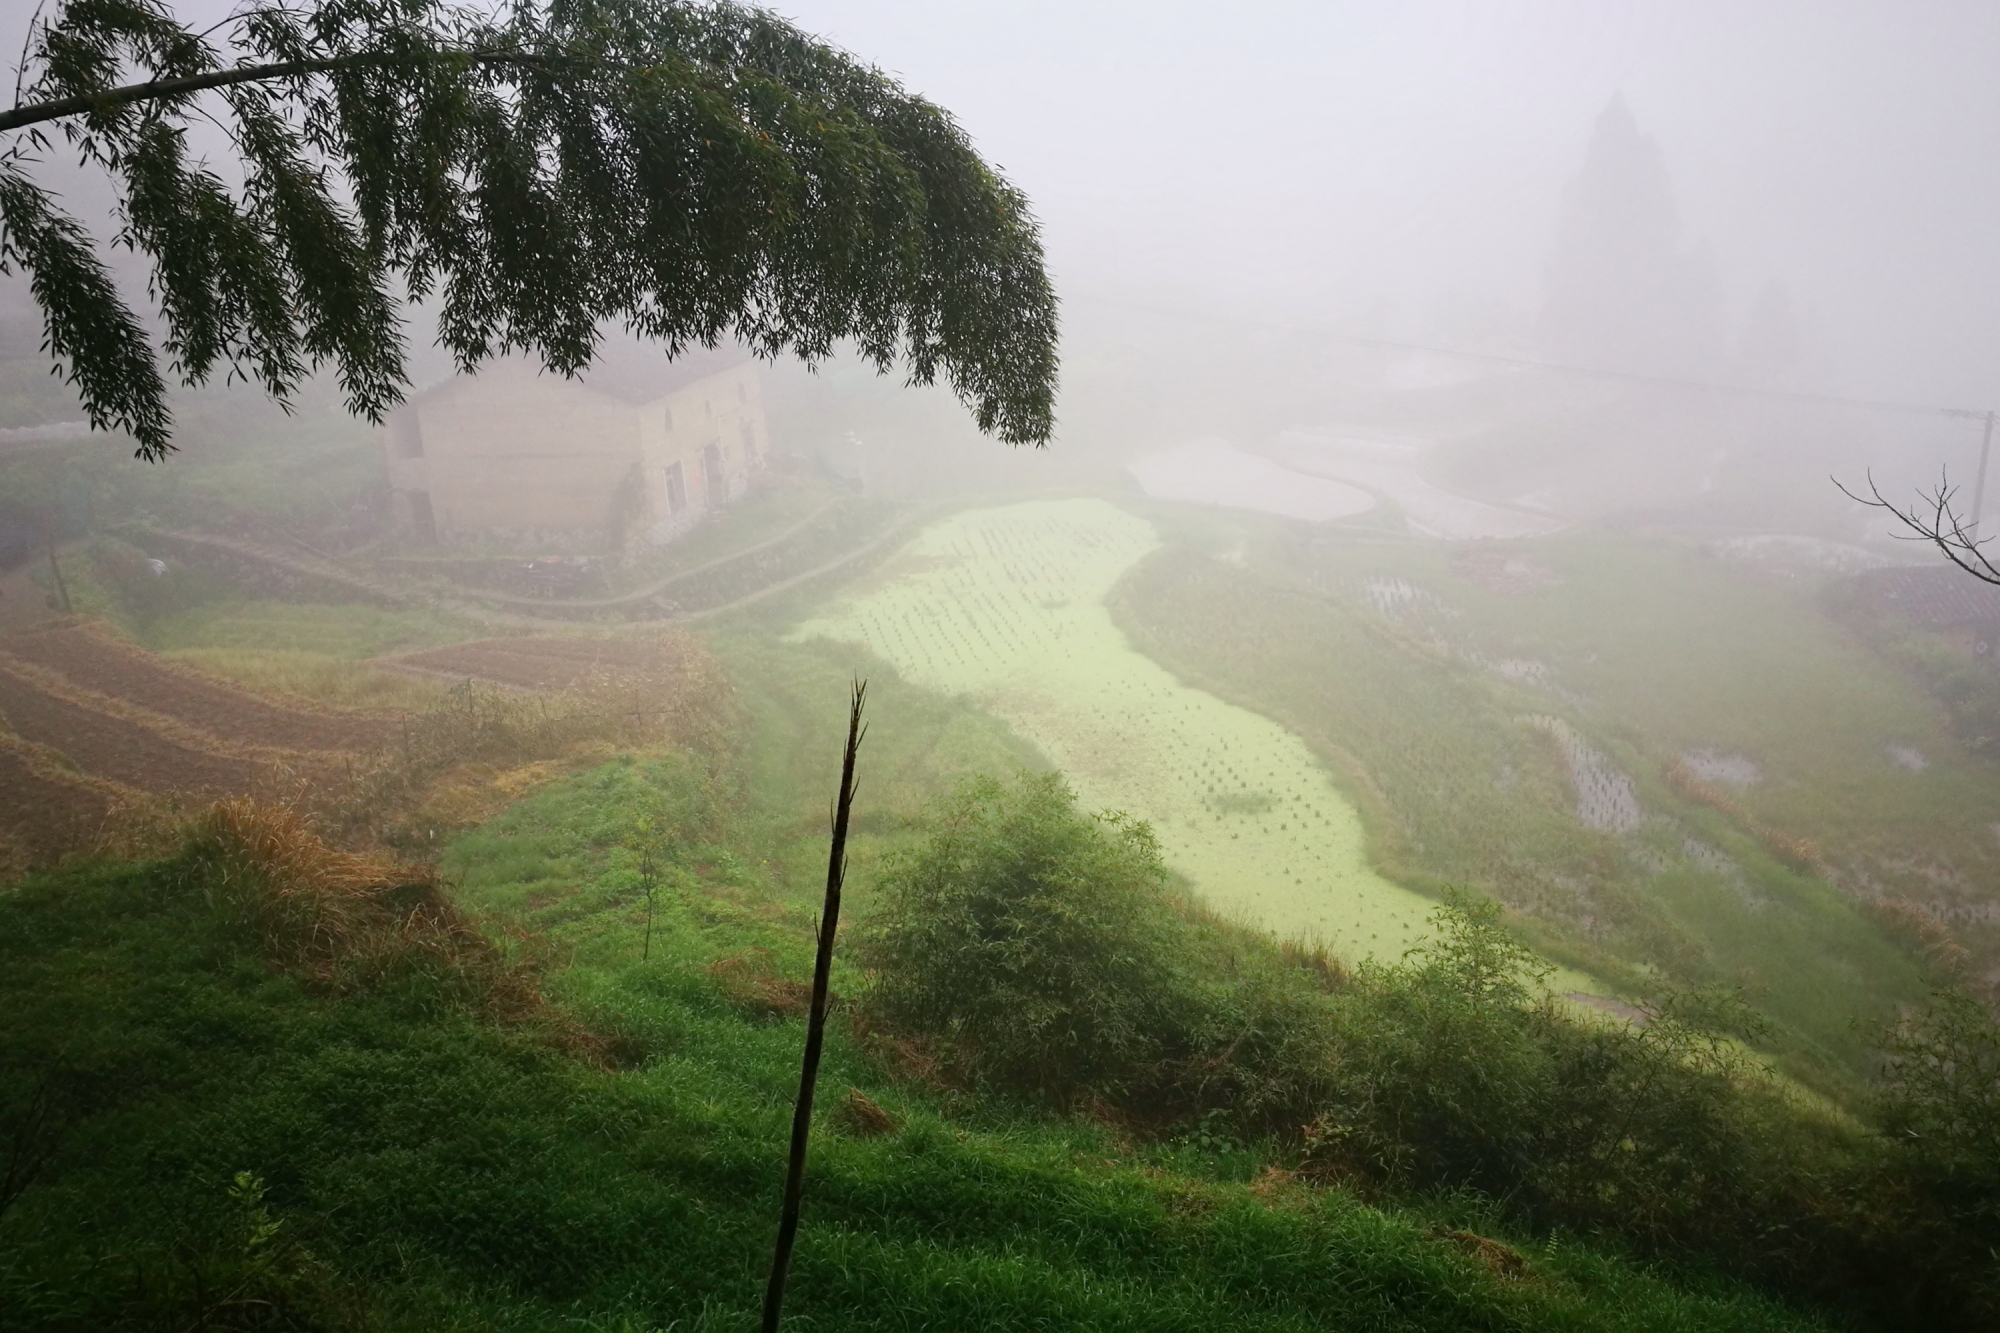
pixel 1007 607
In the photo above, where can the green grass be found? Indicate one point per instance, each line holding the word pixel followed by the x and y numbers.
pixel 1687 651
pixel 1648 650
pixel 317 678
pixel 919 745
pixel 337 630
pixel 315 652
pixel 429 1169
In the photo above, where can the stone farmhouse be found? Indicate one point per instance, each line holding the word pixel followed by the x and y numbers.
pixel 636 452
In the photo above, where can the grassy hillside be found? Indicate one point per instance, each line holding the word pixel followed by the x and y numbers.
pixel 219 1119
pixel 238 1092
pixel 1470 715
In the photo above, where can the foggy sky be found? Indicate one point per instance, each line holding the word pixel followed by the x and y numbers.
pixel 1397 168
pixel 1371 165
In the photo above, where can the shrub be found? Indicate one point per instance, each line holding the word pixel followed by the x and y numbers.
pixel 1038 943
pixel 1941 1104
pixel 1456 1069
pixel 1030 948
pixel 1943 1091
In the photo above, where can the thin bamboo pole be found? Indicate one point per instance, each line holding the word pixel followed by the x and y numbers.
pixel 829 921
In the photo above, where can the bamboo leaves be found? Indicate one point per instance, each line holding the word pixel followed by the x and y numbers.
pixel 692 172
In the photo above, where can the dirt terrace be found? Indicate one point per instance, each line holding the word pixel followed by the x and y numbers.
pixel 101 665
pixel 106 745
pixel 43 815
pixel 552 663
pixel 89 724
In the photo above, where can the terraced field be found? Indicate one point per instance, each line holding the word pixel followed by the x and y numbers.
pixel 93 725
pixel 106 742
pixel 105 667
pixel 1006 605
pixel 554 663
pixel 45 810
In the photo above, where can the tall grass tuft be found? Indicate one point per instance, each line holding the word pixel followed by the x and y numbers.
pixel 339 918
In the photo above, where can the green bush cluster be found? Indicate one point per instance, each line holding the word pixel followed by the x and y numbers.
pixel 1031 938
pixel 1039 952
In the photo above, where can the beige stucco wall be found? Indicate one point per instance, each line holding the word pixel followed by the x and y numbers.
pixel 516 451
pixel 724 410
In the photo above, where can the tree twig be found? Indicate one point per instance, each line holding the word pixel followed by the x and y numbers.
pixel 1934 519
pixel 829 921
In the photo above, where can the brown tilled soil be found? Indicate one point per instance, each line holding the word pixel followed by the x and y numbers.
pixel 112 747
pixel 122 671
pixel 46 815
pixel 552 663
pixel 125 719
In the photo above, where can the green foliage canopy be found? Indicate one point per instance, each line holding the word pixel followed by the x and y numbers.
pixel 1034 938
pixel 1942 1096
pixel 690 171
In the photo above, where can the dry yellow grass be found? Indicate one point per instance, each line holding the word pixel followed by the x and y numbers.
pixel 335 916
pixel 317 678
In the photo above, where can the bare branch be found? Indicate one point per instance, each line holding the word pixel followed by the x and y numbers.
pixel 1934 519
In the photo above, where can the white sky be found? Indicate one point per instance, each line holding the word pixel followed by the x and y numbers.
pixel 1317 158
pixel 1335 162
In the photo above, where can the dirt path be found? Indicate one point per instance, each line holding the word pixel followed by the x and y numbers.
pixel 894 532
pixel 657 586
pixel 477 605
pixel 365 589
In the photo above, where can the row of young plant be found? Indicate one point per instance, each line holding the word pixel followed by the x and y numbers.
pixel 1029 950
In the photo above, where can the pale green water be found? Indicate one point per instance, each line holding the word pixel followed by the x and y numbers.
pixel 1006 606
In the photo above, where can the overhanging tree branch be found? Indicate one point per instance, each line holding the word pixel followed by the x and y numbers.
pixel 692 172
pixel 164 90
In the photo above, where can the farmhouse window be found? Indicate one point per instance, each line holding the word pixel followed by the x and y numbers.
pixel 677 496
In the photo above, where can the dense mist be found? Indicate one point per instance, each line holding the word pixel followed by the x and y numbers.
pixel 1789 198
pixel 1404 585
